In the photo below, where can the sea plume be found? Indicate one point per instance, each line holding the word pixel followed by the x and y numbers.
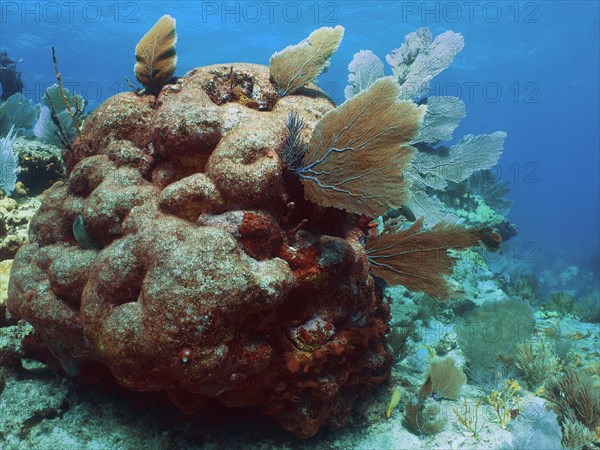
pixel 418 259
pixel 358 151
pixel 300 64
pixel 155 55
pixel 294 147
pixel 9 162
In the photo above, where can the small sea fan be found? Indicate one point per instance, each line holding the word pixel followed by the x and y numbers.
pixel 297 65
pixel 447 379
pixel 155 55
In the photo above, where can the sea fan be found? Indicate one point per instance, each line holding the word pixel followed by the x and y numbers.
pixel 365 68
pixel 357 152
pixel 418 259
pixel 155 55
pixel 300 64
pixel 421 58
pixel 17 111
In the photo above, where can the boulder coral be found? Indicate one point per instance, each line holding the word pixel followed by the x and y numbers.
pixel 214 279
pixel 209 240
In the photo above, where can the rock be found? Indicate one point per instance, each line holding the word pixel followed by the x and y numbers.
pixel 15 216
pixel 5 267
pixel 8 204
pixel 448 342
pixel 41 166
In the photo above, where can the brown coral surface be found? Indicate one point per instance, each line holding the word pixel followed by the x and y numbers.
pixel 213 279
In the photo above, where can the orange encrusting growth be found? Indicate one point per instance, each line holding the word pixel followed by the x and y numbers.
pixel 417 258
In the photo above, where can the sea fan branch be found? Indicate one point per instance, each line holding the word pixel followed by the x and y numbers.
pixel 360 146
pixel 418 258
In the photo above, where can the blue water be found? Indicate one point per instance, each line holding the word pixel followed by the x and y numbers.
pixel 528 68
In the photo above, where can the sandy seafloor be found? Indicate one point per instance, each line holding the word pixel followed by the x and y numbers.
pixel 40 409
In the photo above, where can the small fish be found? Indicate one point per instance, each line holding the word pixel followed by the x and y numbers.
pixel 423 356
pixel 425 351
pixel 396 395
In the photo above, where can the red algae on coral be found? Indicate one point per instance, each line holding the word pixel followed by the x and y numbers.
pixel 215 279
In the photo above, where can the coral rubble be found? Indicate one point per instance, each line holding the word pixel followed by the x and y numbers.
pixel 14 218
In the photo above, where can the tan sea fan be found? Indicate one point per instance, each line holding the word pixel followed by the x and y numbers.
pixel 155 55
pixel 358 152
pixel 300 64
pixel 418 259
pixel 447 379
